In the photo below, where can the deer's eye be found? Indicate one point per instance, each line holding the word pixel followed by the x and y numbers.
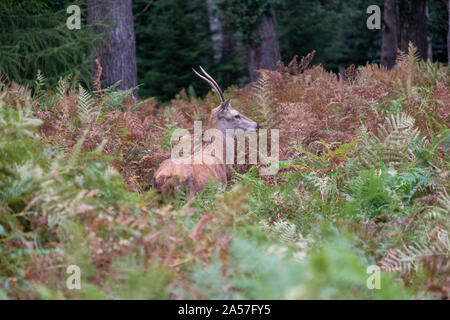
pixel 237 116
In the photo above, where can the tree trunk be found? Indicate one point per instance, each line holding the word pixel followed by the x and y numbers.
pixel 413 26
pixel 229 57
pixel 448 34
pixel 215 27
pixel 117 52
pixel 389 41
pixel 263 50
pixel 430 46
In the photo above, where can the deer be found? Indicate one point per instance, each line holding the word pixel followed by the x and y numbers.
pixel 193 176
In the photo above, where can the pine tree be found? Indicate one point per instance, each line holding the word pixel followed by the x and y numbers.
pixel 335 29
pixel 34 36
pixel 255 21
pixel 172 37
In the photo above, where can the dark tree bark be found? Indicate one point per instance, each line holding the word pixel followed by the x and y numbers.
pixel 430 45
pixel 448 34
pixel 263 50
pixel 404 21
pixel 389 39
pixel 413 26
pixel 215 26
pixel 229 55
pixel 117 52
pixel 228 45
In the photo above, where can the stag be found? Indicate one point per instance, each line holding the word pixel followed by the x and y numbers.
pixel 192 176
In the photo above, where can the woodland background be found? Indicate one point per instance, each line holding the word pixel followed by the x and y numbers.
pixel 87 116
pixel 230 39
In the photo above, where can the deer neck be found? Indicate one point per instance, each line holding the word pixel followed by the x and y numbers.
pixel 227 141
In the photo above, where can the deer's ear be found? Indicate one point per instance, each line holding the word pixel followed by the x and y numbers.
pixel 225 105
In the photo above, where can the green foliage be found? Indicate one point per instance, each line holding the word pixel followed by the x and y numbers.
pixel 134 281
pixel 242 16
pixel 86 110
pixel 304 26
pixel 34 36
pixel 442 206
pixel 393 143
pixel 372 195
pixel 138 282
pixel 58 189
pixel 334 271
pixel 172 38
pixel 438 29
pixel 309 232
pixel 263 198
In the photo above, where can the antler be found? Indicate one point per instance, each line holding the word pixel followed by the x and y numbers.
pixel 211 82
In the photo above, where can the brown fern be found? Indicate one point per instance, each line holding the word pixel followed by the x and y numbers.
pixel 294 68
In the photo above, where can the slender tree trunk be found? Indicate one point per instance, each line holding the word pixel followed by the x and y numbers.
pixel 229 56
pixel 263 50
pixel 389 41
pixel 430 46
pixel 215 27
pixel 117 52
pixel 413 26
pixel 448 34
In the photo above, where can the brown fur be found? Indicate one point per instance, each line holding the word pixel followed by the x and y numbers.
pixel 172 176
pixel 193 177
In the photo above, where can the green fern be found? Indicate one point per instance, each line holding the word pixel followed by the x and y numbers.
pixel 443 205
pixel 287 233
pixel 372 195
pixel 433 72
pixel 392 144
pixel 61 87
pixel 87 112
pixel 39 83
pixel 325 185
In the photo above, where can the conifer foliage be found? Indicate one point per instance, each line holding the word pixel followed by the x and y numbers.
pixel 34 36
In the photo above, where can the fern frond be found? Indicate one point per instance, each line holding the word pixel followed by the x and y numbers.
pixel 287 233
pixel 408 64
pixel 86 108
pixel 40 79
pixel 284 230
pixel 412 255
pixel 264 112
pixel 408 60
pixel 443 205
pixel 38 92
pixel 61 88
pixel 325 185
pixel 392 143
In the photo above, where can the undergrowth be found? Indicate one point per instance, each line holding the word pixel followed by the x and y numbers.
pixel 363 181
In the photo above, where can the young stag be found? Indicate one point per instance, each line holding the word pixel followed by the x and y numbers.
pixel 193 175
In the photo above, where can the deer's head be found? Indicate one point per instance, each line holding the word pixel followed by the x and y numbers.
pixel 224 116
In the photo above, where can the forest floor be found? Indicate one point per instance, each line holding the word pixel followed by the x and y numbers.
pixel 358 210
